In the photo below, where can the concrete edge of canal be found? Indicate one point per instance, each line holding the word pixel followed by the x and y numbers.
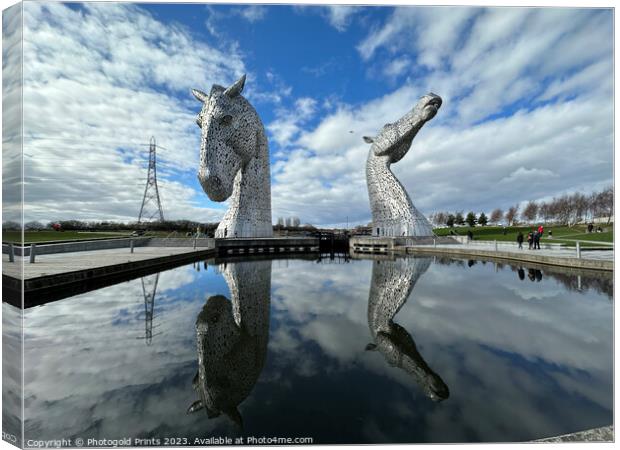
pixel 582 263
pixel 602 434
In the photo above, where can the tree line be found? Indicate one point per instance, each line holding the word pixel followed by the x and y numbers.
pixel 80 225
pixel 564 210
pixel 181 226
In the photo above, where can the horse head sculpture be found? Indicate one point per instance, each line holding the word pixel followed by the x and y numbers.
pixel 392 283
pixel 232 339
pixel 234 161
pixel 393 213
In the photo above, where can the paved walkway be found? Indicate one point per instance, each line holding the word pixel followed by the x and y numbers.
pixel 556 255
pixel 584 242
pixel 58 263
pixel 564 252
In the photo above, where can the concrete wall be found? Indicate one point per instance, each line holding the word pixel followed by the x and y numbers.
pixel 81 246
pixel 202 243
pixel 371 243
pixel 181 242
pixel 267 242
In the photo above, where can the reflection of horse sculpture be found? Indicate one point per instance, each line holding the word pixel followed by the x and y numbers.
pixel 392 283
pixel 232 340
pixel 393 213
pixel 234 161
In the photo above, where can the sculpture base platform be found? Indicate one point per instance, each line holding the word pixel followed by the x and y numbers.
pixel 382 245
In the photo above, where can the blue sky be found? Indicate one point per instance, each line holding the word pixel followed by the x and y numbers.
pixel 527 112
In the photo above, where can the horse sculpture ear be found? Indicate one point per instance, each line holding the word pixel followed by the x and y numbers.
pixel 200 95
pixel 236 88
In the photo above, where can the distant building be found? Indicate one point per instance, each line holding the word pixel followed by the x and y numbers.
pixel 289 222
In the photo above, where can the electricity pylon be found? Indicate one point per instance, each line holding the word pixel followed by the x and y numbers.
pixel 149 289
pixel 151 203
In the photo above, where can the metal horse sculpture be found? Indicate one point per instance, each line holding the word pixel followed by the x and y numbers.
pixel 232 339
pixel 392 283
pixel 393 213
pixel 234 161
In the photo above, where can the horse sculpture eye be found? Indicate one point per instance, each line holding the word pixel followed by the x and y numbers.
pixel 226 120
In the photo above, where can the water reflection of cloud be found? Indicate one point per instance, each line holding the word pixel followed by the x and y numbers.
pixel 481 330
pixel 81 359
pixel 516 367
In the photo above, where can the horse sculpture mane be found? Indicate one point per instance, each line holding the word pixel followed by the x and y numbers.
pixel 234 161
pixel 393 213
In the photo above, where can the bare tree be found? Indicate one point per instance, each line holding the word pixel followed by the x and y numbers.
pixel 440 218
pixel 593 209
pixel 458 218
pixel 563 209
pixel 579 206
pixel 511 214
pixel 497 215
pixel 530 212
pixel 544 211
pixel 34 225
pixel 606 202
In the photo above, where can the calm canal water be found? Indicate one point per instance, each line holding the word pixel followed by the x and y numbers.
pixel 409 350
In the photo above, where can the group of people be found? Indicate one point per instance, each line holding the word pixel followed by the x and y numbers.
pixel 591 228
pixel 532 274
pixel 533 238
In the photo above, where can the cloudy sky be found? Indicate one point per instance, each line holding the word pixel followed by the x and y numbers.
pixel 527 112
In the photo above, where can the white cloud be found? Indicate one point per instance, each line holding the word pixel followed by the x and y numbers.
pixel 530 176
pixel 497 140
pixel 497 163
pixel 99 81
pixel 288 122
pixel 596 76
pixel 433 31
pixel 339 17
pixel 397 67
pixel 253 13
pixel 11 114
pixel 523 99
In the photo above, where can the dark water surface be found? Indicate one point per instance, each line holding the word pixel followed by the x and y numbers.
pixel 408 350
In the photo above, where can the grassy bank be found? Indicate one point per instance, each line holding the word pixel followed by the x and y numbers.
pixel 561 234
pixel 50 236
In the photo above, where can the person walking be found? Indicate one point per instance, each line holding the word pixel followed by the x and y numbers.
pixel 530 240
pixel 536 240
pixel 470 236
pixel 520 240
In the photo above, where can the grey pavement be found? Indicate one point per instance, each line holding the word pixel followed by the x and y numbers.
pixel 54 264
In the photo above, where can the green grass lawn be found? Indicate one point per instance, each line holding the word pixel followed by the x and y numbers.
pixel 49 236
pixel 561 234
